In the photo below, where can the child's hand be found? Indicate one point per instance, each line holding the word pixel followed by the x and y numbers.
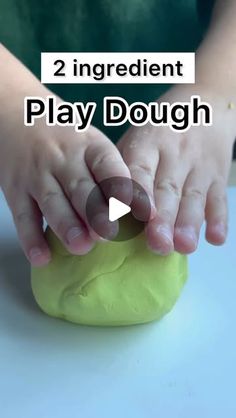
pixel 185 175
pixel 50 172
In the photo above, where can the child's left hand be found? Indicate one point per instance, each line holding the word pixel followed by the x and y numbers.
pixel 184 174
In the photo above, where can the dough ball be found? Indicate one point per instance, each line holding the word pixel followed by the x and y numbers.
pixel 117 283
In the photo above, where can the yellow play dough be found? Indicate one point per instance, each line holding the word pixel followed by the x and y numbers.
pixel 117 283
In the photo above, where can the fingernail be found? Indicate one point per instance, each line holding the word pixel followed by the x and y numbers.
pixel 165 231
pixel 104 228
pixel 35 253
pixel 39 258
pixel 188 232
pixel 159 251
pixel 220 229
pixel 73 234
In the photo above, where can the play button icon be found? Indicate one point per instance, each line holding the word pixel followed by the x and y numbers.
pixel 117 209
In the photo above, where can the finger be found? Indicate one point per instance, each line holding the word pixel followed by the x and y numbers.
pixel 79 186
pixel 61 217
pixel 142 163
pixel 191 213
pixel 168 190
pixel 104 161
pixel 216 214
pixel 29 226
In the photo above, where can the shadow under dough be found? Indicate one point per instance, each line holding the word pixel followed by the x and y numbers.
pixel 15 277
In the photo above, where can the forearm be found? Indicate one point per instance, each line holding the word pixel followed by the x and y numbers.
pixel 216 56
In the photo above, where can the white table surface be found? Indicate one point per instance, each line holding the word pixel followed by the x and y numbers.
pixel 183 366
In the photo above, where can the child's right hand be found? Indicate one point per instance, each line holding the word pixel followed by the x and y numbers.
pixel 50 171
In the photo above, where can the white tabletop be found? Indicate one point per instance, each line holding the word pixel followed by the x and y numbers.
pixel 183 366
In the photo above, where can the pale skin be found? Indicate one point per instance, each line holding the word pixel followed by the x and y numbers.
pixel 49 171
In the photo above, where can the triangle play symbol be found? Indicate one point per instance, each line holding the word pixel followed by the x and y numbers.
pixel 117 209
